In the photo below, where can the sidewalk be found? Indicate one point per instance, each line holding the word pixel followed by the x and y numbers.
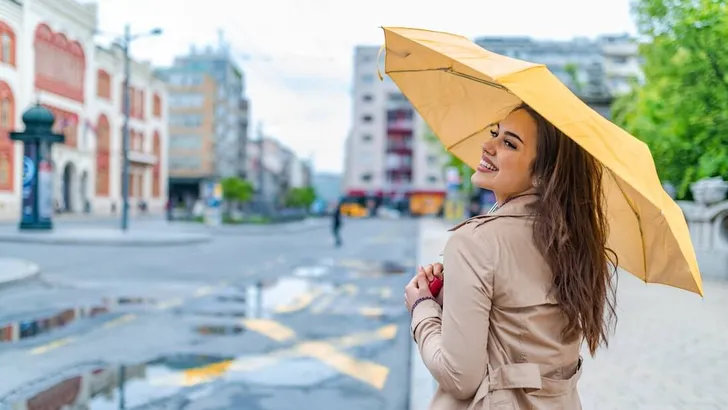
pixel 670 350
pixel 14 271
pixel 431 242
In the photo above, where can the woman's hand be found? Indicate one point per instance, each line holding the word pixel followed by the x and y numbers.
pixel 431 271
pixel 417 288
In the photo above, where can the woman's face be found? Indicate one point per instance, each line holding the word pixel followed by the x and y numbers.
pixel 505 165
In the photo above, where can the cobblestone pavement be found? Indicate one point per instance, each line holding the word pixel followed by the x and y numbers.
pixel 669 352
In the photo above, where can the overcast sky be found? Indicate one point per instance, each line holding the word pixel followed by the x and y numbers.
pixel 297 54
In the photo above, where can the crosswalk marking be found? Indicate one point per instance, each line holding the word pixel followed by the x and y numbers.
pixel 327 351
pixel 270 328
pixel 300 303
pixel 51 346
pixel 368 372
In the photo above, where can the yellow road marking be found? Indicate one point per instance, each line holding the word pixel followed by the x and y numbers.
pixel 270 328
pixel 170 303
pixel 52 345
pixel 371 311
pixel 368 372
pixel 373 373
pixel 119 320
pixel 203 291
pixel 299 303
pixel 387 332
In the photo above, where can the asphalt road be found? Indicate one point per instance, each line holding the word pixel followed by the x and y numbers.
pixel 273 321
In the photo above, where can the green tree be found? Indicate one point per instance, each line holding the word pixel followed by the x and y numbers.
pixel 451 161
pixel 236 190
pixel 572 70
pixel 681 109
pixel 300 197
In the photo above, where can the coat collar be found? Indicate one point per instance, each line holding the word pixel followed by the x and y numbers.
pixel 517 207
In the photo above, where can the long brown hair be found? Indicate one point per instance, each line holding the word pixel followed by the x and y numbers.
pixel 571 231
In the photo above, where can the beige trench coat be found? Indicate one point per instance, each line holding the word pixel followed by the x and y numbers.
pixel 496 343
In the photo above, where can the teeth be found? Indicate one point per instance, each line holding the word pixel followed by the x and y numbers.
pixel 487 165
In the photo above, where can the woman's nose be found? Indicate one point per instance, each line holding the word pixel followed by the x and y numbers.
pixel 489 146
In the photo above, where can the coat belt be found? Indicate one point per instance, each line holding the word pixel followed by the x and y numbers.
pixel 527 376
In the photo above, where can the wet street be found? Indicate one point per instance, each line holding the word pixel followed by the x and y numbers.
pixel 276 321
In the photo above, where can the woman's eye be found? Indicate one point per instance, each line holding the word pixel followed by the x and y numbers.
pixel 493 134
pixel 509 145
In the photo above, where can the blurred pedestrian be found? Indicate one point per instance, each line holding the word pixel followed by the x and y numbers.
pixel 336 224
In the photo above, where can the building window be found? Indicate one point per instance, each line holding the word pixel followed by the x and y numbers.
pixel 367 118
pixel 186 100
pixel 366 177
pixel 7 147
pixel 367 137
pixel 7 44
pixel 185 141
pixel 5 113
pixel 432 179
pixel 157 106
pixel 5 48
pixel 367 98
pixel 367 78
pixel 60 64
pixel 103 85
pixel 185 120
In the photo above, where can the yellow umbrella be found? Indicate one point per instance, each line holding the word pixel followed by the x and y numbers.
pixel 460 89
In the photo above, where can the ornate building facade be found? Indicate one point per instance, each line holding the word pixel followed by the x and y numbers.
pixel 48 56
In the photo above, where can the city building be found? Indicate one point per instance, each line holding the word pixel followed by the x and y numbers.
pixel 48 55
pixel 208 120
pixel 595 70
pixel 389 158
pixel 328 187
pixel 273 169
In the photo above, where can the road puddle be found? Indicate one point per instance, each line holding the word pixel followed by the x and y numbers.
pixel 220 330
pixel 23 329
pixel 366 269
pixel 122 387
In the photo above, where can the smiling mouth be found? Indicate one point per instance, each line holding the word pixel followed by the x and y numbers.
pixel 487 166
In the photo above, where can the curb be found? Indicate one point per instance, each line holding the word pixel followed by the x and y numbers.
pixel 32 271
pixel 422 384
pixel 269 230
pixel 176 239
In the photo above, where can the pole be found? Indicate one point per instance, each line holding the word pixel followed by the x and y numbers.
pixel 125 133
pixel 261 170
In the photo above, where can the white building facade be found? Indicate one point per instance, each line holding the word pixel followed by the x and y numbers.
pixel 53 60
pixel 389 157
pixel 605 65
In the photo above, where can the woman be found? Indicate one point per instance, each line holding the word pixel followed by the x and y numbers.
pixel 524 284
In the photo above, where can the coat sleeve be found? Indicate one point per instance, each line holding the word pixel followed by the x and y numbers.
pixel 452 340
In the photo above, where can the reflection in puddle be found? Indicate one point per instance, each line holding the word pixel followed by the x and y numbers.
pixel 121 387
pixel 220 330
pixel 23 329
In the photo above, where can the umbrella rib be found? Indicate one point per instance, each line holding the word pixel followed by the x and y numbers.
pixel 451 146
pixel 639 220
pixel 449 70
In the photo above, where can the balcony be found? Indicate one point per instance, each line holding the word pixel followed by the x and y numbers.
pixel 399 146
pixel 403 125
pixel 140 157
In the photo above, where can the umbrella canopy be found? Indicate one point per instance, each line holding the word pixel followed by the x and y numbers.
pixel 461 90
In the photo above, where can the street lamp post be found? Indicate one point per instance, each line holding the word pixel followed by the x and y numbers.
pixel 126 42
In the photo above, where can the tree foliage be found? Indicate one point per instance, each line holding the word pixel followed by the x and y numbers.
pixel 300 197
pixel 681 109
pixel 236 190
pixel 451 160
